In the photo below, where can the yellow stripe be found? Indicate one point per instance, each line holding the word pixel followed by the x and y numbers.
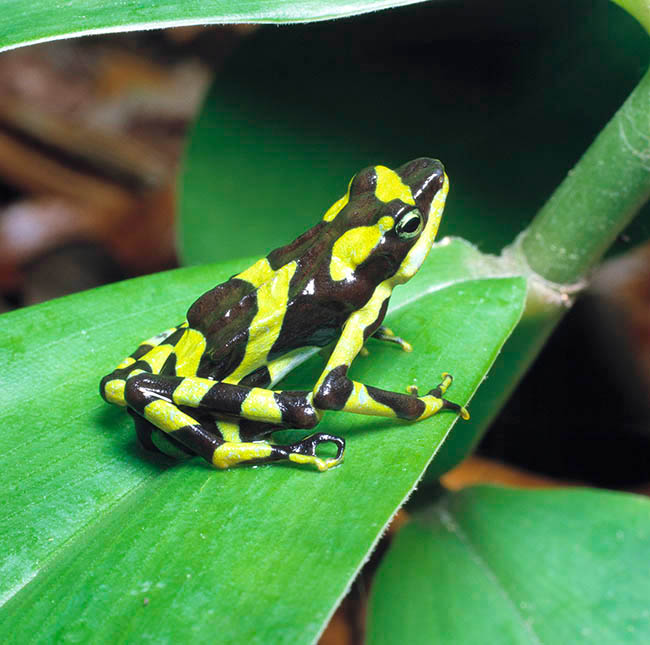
pixel 419 251
pixel 432 405
pixel 272 300
pixel 336 207
pixel 189 350
pixel 229 454
pixel 125 363
pixel 260 405
pixel 355 246
pixel 157 356
pixel 351 340
pixel 390 186
pixel 167 416
pixel 114 391
pixel 190 391
pixel 360 402
pixel 229 431
pixel 257 274
pixel 321 464
pixel 158 338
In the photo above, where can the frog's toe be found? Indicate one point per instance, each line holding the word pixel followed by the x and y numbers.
pixel 439 392
pixel 304 452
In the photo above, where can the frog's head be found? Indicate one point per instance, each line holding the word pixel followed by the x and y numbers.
pixel 388 218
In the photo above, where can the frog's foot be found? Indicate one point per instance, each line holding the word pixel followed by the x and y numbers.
pixel 438 393
pixel 304 452
pixel 388 335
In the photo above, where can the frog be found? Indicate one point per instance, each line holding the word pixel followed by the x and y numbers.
pixel 206 387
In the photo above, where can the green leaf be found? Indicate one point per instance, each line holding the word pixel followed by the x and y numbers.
pixel 103 541
pixel 26 22
pixel 494 565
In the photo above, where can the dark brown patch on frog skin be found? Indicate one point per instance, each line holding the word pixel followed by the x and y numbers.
pixel 335 390
pixel 365 181
pixel 296 410
pixel 255 430
pixel 197 439
pixel 226 333
pixel 425 177
pixel 404 406
pixel 228 305
pixel 297 249
pixel 261 377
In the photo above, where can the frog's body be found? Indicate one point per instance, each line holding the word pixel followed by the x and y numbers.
pixel 203 387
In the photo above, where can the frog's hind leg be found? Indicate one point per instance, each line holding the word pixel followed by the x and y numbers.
pixel 232 453
pixel 161 401
pixel 112 385
pixel 154 440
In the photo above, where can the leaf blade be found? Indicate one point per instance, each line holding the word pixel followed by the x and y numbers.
pixel 519 566
pixel 27 23
pixel 121 521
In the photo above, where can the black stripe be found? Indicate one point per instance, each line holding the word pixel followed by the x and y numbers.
pixel 404 406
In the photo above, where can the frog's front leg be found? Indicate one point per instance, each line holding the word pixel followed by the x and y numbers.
pixel 386 334
pixel 335 391
pixel 160 400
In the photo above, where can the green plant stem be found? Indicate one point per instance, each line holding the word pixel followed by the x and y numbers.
pixel 598 198
pixel 640 9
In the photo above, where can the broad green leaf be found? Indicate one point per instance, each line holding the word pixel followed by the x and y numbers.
pixel 25 22
pixel 102 541
pixel 495 565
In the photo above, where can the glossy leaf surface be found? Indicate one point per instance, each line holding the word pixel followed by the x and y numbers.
pixel 102 541
pixel 24 22
pixel 495 565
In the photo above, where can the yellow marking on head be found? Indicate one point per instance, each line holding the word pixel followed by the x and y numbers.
pixel 419 251
pixel 134 373
pixel 260 405
pixel 257 274
pixel 264 329
pixel 390 186
pixel 190 391
pixel 229 431
pixel 114 392
pixel 229 454
pixel 360 402
pixel 167 416
pixel 189 350
pixel 355 246
pixel 125 363
pixel 157 356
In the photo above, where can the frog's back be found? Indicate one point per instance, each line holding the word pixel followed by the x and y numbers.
pixel 265 312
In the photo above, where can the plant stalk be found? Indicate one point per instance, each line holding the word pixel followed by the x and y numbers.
pixel 597 199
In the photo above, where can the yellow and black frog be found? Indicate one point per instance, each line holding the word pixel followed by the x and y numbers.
pixel 205 387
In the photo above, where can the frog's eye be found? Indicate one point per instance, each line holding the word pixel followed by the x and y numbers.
pixel 410 225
